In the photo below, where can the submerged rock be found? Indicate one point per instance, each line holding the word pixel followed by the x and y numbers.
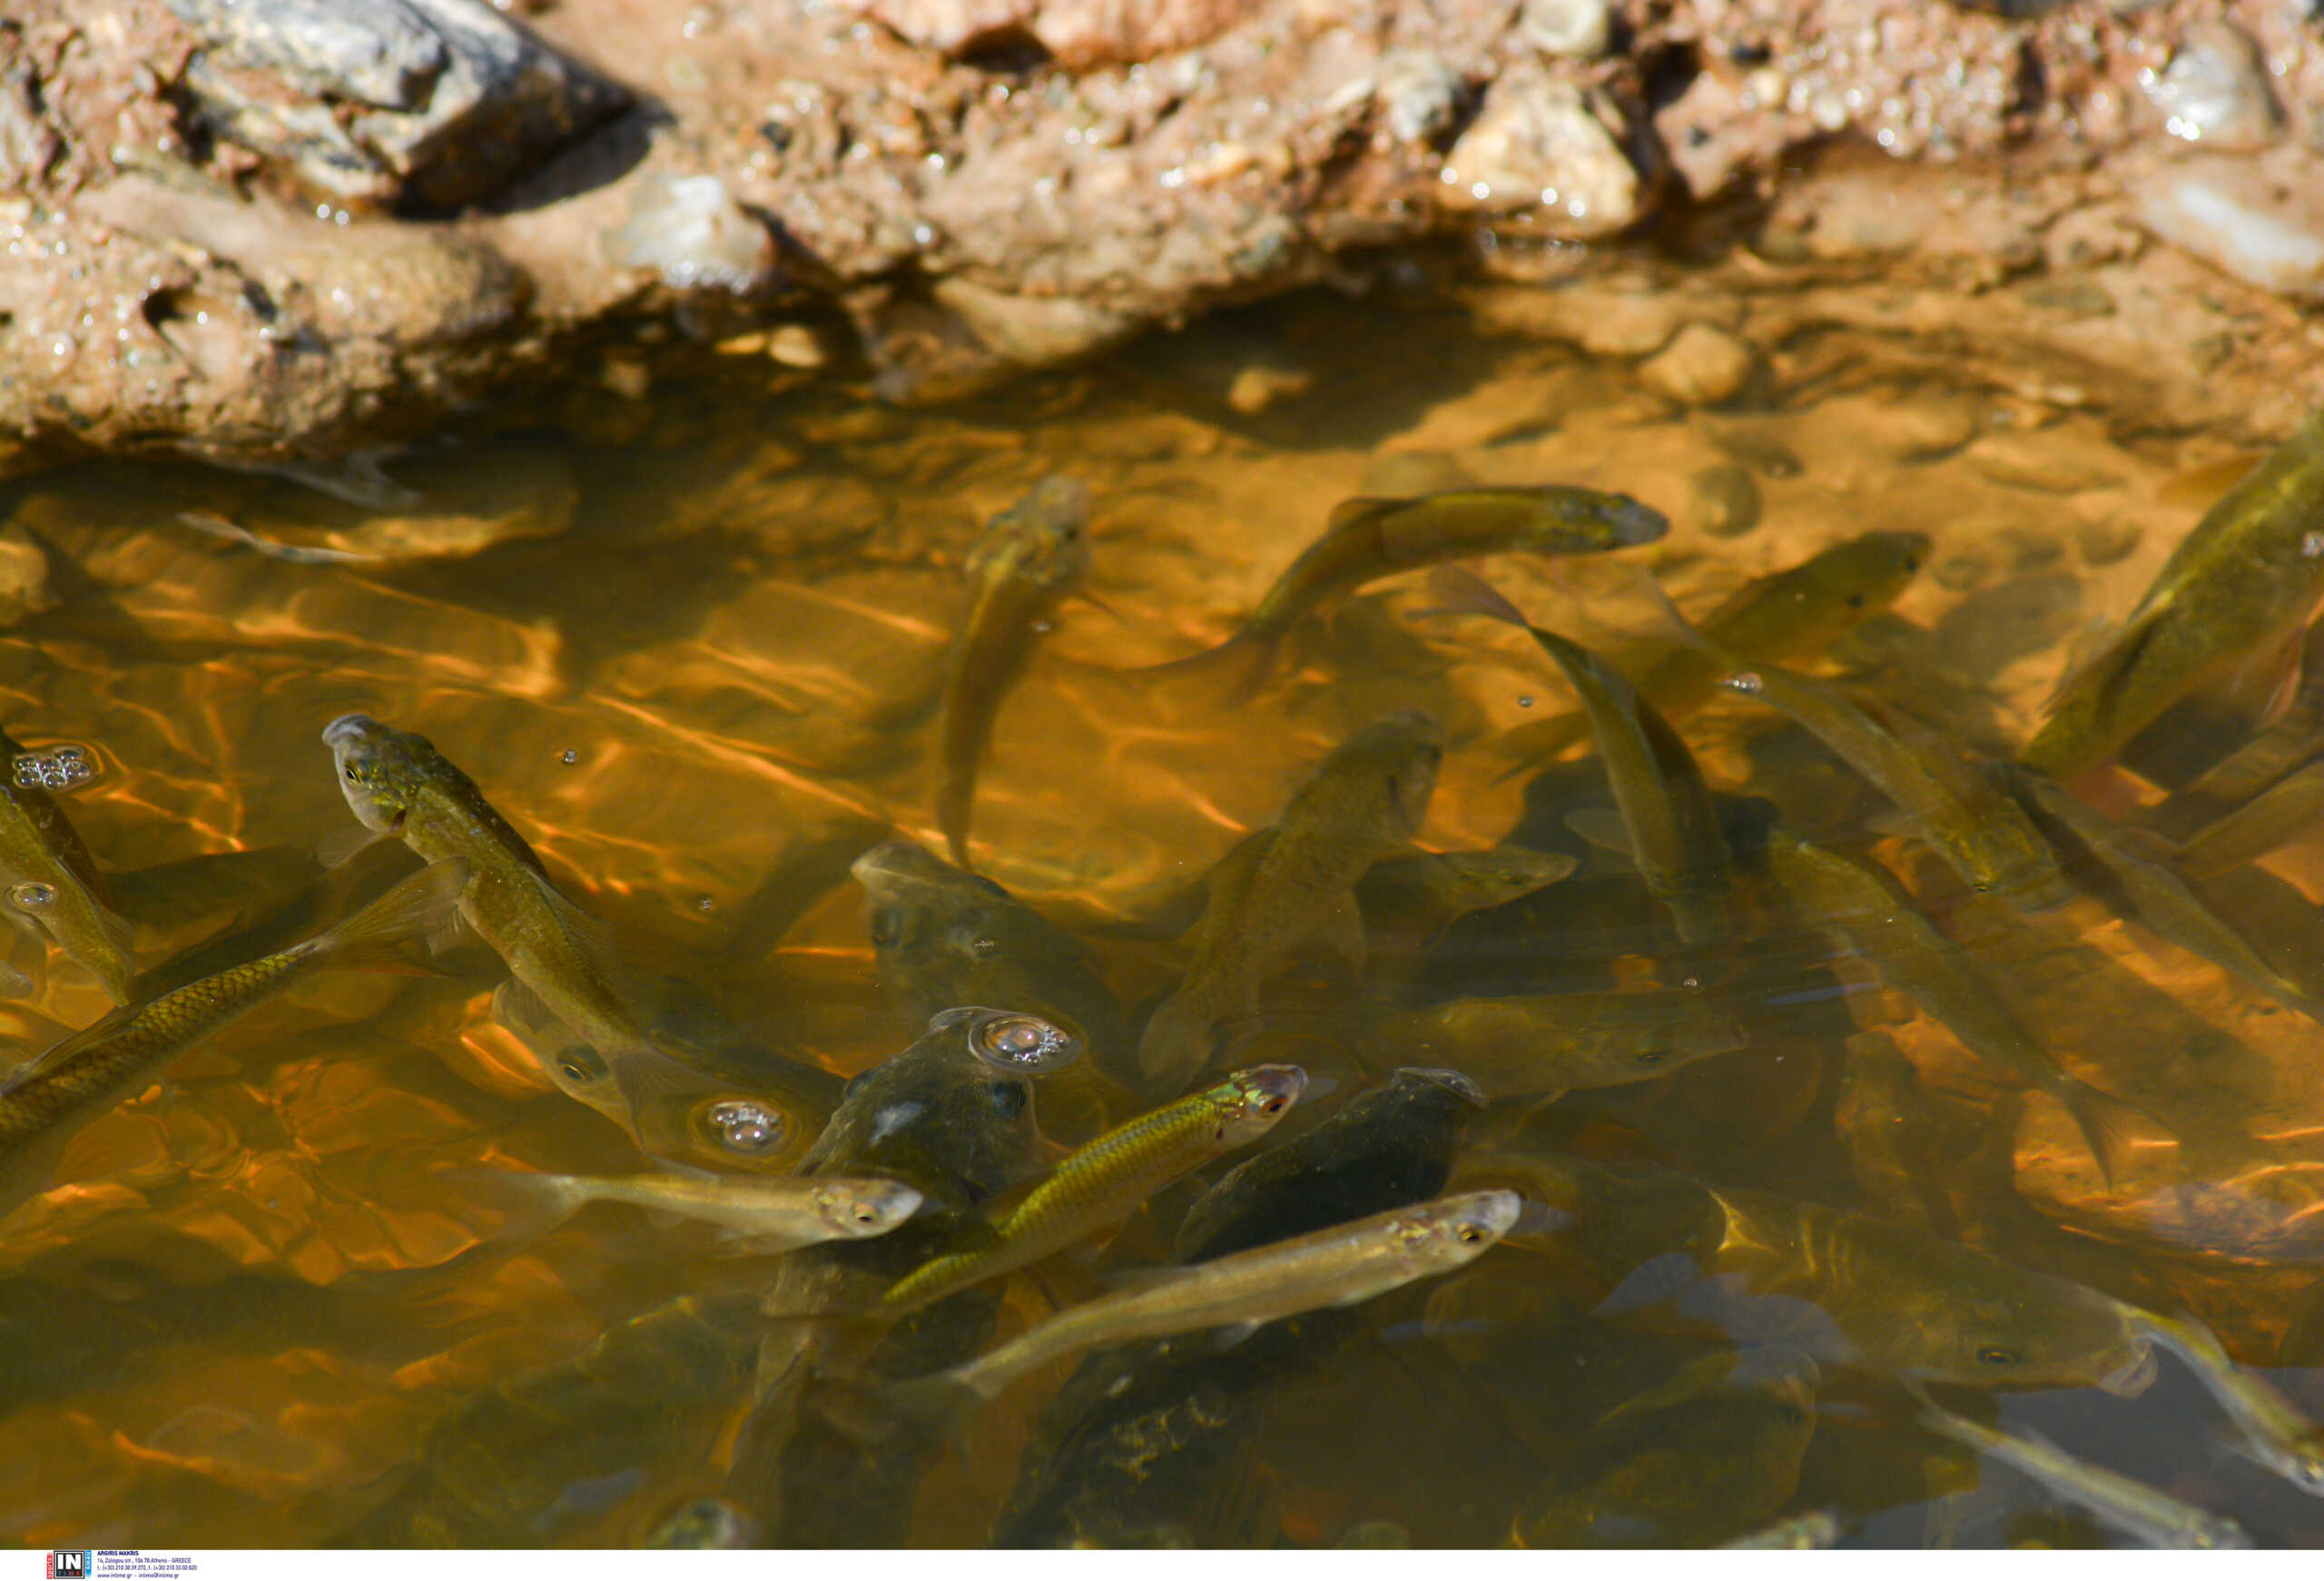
pixel 2228 214
pixel 1701 366
pixel 2215 92
pixel 1545 145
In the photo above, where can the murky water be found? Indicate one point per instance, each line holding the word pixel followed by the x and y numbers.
pixel 698 669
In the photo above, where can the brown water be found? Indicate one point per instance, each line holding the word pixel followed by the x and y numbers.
pixel 706 682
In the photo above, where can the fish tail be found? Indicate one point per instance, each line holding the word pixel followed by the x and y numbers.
pixel 392 933
pixel 2106 1122
pixel 529 1203
pixel 116 965
pixel 1175 1045
pixel 954 803
pixel 1241 666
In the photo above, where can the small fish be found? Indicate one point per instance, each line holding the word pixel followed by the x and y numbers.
pixel 1030 557
pixel 174 894
pixel 1337 1267
pixel 2127 870
pixel 2284 812
pixel 1981 835
pixel 1798 613
pixel 89 1072
pixel 2148 1514
pixel 768 1215
pixel 49 878
pixel 398 783
pixel 1666 808
pixel 1104 1181
pixel 2275 1433
pixel 704 1523
pixel 1818 1528
pixel 1871 916
pixel 295 554
pixel 1366 539
pixel 1361 803
pixel 1546 1044
pixel 2245 582
pixel 1408 902
pixel 1844 1288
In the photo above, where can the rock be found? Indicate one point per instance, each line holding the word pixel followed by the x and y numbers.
pixel 413 104
pixel 2228 213
pixel 2107 540
pixel 696 237
pixel 1701 366
pixel 24 577
pixel 796 346
pixel 1407 474
pixel 1421 95
pixel 1722 500
pixel 2215 89
pixel 1075 33
pixel 1257 386
pixel 1545 145
pixel 1992 629
pixel 1603 320
pixel 1031 331
pixel 1576 28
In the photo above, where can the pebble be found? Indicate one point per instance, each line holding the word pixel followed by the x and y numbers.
pixel 1988 631
pixel 696 237
pixel 1543 145
pixel 1722 500
pixel 1033 331
pixel 1420 95
pixel 2215 92
pixel 24 577
pixel 1701 366
pixel 796 346
pixel 1257 386
pixel 2236 219
pixel 1577 29
pixel 2107 540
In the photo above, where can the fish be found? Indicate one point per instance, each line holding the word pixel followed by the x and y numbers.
pixel 1152 1437
pixel 765 1216
pixel 173 893
pixel 704 1523
pixel 2280 814
pixel 1816 1528
pixel 1030 557
pixel 1544 1044
pixel 48 878
pixel 1965 818
pixel 1237 1293
pixel 2274 1431
pixel 2131 872
pixel 2245 582
pixel 1706 1457
pixel 398 784
pixel 1408 902
pixel 1844 1288
pixel 2147 1515
pixel 946 938
pixel 940 1118
pixel 88 1072
pixel 1798 613
pixel 1869 913
pixel 1104 1181
pixel 1361 803
pixel 1366 539
pixel 1666 808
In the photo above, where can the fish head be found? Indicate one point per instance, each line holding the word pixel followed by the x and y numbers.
pixel 856 1209
pixel 381 771
pixel 1617 520
pixel 1997 1327
pixel 1042 540
pixel 1248 1103
pixel 1452 1230
pixel 1012 1042
pixel 937 1118
pixel 1452 1082
pixel 1402 754
pixel 1478 879
pixel 1867 572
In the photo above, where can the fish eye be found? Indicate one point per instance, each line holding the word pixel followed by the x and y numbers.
pixel 1999 1356
pixel 866 1212
pixel 31 895
pixel 1469 1234
pixel 1651 1055
pixel 574 1069
pixel 743 1126
pixel 1273 1106
pixel 1018 1043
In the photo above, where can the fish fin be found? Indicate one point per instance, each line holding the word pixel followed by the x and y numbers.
pixel 1789 1324
pixel 1177 1043
pixel 342 846
pixel 1459 590
pixel 1351 510
pixel 589 934
pixel 13 984
pixel 516 1007
pixel 57 1053
pixel 2104 669
pixel 1230 1335
pixel 118 970
pixel 1658 1281
pixel 2287 664
pixel 2132 1378
pixel 1602 827
pixel 384 935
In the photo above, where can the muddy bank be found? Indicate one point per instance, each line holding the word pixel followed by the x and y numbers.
pixel 298 230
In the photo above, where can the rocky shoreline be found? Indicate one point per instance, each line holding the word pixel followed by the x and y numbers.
pixel 290 231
